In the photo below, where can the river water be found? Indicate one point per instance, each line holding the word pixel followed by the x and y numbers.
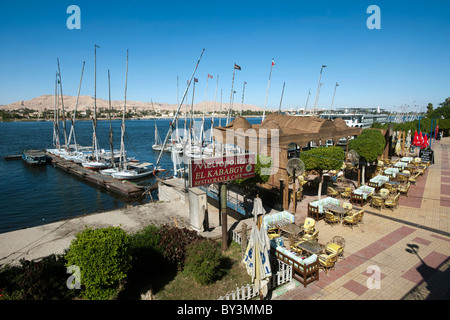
pixel 32 196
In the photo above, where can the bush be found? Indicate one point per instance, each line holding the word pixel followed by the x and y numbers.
pixel 203 258
pixel 42 280
pixel 103 258
pixel 173 243
pixel 146 241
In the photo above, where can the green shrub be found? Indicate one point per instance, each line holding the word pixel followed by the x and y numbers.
pixel 146 241
pixel 41 280
pixel 103 258
pixel 203 258
pixel 173 243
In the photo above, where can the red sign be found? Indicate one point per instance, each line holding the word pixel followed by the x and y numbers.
pixel 221 169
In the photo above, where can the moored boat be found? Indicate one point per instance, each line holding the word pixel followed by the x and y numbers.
pixel 34 157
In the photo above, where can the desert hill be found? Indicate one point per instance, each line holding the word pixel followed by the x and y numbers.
pixel 87 102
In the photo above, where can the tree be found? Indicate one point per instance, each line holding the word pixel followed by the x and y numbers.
pixel 429 108
pixel 261 162
pixel 323 158
pixel 369 145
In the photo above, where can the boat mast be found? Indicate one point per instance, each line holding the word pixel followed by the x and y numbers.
pixel 122 143
pixel 178 110
pixel 62 106
pixel 72 129
pixel 242 105
pixel 281 100
pixel 55 116
pixel 111 142
pixel 307 99
pixel 214 110
pixel 318 89
pixel 94 119
pixel 267 92
pixel 331 107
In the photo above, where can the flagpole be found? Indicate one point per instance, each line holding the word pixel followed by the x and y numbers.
pixel 282 92
pixel 318 89
pixel 307 99
pixel 267 92
pixel 242 105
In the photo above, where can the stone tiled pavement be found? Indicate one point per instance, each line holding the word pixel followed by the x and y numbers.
pixel 410 246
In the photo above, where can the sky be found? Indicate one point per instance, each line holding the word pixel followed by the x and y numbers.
pixel 404 65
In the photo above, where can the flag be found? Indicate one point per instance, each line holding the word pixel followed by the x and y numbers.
pixel 273 62
pixel 245 82
pixel 210 76
pixel 237 67
pixel 195 80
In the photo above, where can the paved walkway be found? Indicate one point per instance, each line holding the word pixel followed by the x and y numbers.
pixel 409 248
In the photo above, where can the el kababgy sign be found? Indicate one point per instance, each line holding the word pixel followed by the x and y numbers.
pixel 221 169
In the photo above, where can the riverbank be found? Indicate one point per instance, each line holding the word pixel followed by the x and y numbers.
pixel 54 238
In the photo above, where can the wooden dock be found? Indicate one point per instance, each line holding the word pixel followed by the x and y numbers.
pixel 121 188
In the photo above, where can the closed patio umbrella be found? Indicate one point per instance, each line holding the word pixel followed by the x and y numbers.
pixel 256 257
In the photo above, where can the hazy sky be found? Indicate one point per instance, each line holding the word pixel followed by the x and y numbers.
pixel 406 60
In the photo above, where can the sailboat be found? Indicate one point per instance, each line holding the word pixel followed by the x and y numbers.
pixel 95 162
pixel 129 170
pixel 158 146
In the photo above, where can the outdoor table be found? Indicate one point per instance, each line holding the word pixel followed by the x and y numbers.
pixel 391 172
pixel 338 210
pixel 400 164
pixel 407 159
pixel 292 229
pixel 311 247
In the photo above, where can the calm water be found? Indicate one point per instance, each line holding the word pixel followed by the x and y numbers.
pixel 32 196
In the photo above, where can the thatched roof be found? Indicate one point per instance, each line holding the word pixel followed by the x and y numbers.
pixel 293 129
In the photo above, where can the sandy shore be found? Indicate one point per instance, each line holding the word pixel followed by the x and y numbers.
pixel 41 241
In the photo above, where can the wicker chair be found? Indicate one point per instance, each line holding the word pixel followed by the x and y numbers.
pixel 328 261
pixel 336 245
pixel 347 193
pixel 330 218
pixel 377 202
pixel 311 236
pixel 392 202
pixel 332 193
pixel 404 189
pixel 349 207
pixel 384 193
pixel 352 220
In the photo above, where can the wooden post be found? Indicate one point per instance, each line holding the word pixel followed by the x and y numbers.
pixel 223 200
pixel 294 189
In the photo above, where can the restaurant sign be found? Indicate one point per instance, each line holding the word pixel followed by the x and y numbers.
pixel 207 171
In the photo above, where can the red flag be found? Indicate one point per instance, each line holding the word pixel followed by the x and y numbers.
pixel 273 62
pixel 209 76
pixel 237 67
pixel 425 141
pixel 416 139
pixel 195 80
